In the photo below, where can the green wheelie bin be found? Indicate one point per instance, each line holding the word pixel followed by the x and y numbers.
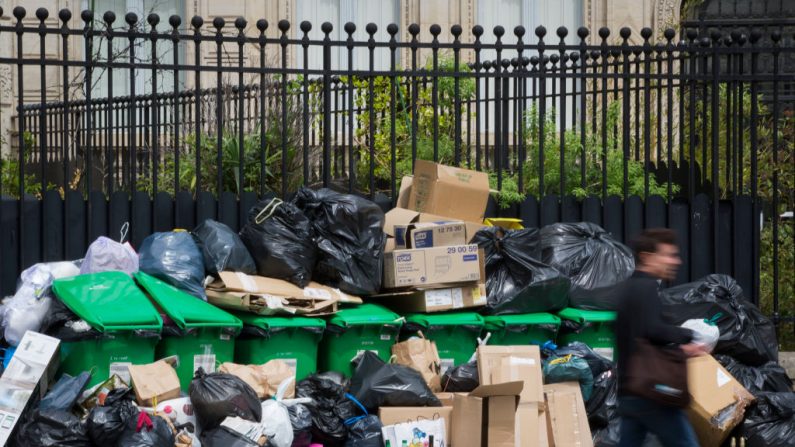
pixel 352 331
pixel 455 334
pixel 291 339
pixel 521 329
pixel 198 333
pixel 595 328
pixel 126 326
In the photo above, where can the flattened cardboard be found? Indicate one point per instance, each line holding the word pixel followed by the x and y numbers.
pixel 499 364
pixel 449 191
pixel 567 419
pixel 154 382
pixel 435 300
pixel 714 391
pixel 397 415
pixel 240 282
pixel 432 266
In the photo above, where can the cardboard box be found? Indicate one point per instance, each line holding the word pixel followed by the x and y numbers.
pixel 398 218
pixel 486 416
pixel 397 415
pixel 500 364
pixel 430 234
pixel 718 400
pixel 26 379
pixel 432 266
pixel 445 398
pixel 154 383
pixel 449 191
pixel 567 420
pixel 435 300
pixel 270 296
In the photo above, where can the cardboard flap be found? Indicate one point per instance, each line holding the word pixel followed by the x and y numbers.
pixel 501 389
pixel 398 216
pixel 240 282
pixel 404 192
pixel 449 191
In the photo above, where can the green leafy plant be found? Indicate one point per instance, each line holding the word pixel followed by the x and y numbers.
pixel 9 171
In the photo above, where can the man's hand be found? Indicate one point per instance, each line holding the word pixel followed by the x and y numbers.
pixel 694 349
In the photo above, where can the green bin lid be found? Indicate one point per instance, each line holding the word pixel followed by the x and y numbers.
pixel 583 316
pixel 185 310
pixel 500 321
pixel 452 319
pixel 108 301
pixel 267 323
pixel 365 314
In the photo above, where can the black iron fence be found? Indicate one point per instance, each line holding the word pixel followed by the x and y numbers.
pixel 693 131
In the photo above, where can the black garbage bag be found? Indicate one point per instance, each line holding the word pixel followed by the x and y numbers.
pixel 217 396
pixel 591 258
pixel 281 240
pixel 143 430
pixel 350 239
pixel 607 436
pixel 601 407
pixel 105 423
pixel 569 369
pixel 222 249
pixel 223 437
pixel 301 420
pixel 462 378
pixel 47 428
pixel 394 385
pixel 365 365
pixel 365 431
pixel 770 377
pixel 174 257
pixel 65 392
pixel 60 321
pixel 516 282
pixel 329 408
pixel 771 422
pixel 745 333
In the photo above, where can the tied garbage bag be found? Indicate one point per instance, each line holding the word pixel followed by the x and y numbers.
pixel 105 254
pixel 222 249
pixel 64 394
pixel 276 424
pixel 301 421
pixel 106 422
pixel 217 396
pixel 174 258
pixel 350 239
pixel 516 282
pixel 569 369
pixel 745 333
pixel 143 430
pixel 770 377
pixel 705 332
pixel 281 241
pixel 461 379
pixel 591 258
pixel 329 408
pixel 392 385
pixel 771 422
pixel 47 428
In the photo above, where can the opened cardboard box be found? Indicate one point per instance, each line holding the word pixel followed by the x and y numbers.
pixel 432 266
pixel 567 421
pixel 486 416
pixel 717 400
pixel 435 300
pixel 398 415
pixel 449 191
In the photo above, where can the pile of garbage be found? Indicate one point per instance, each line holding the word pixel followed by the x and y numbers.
pixel 325 321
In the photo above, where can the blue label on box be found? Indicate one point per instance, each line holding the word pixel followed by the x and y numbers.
pixel 470 258
pixel 400 237
pixel 422 239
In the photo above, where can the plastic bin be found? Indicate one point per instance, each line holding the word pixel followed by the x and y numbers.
pixel 522 329
pixel 592 327
pixel 368 327
pixel 128 322
pixel 198 333
pixel 456 334
pixel 292 339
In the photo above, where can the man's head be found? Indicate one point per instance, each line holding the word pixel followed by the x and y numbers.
pixel 656 253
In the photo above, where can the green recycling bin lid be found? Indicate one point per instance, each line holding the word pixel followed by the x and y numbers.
pixel 583 316
pixel 268 323
pixel 501 321
pixel 108 301
pixel 365 314
pixel 453 319
pixel 185 310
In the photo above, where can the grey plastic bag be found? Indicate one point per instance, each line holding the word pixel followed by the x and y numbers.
pixel 222 249
pixel 175 258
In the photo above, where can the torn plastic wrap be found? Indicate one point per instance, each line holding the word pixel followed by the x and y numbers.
pixel 745 333
pixel 350 239
pixel 517 282
pixel 222 249
pixel 588 255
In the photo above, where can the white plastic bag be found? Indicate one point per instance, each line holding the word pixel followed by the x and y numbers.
pixel 276 424
pixel 105 254
pixel 705 332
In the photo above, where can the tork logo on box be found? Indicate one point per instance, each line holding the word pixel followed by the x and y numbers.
pixel 421 236
pixel 405 257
